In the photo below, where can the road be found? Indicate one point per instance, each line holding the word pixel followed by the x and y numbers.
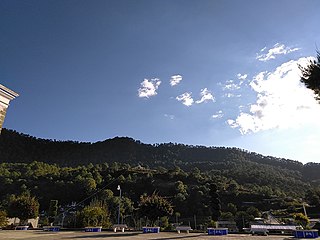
pixel 40 235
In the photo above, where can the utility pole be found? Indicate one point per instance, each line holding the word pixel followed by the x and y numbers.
pixel 119 189
pixel 304 209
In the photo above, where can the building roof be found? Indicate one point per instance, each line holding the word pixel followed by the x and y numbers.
pixel 274 226
pixel 8 92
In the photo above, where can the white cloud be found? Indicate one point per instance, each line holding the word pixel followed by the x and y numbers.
pixel 149 88
pixel 231 95
pixel 282 101
pixel 206 96
pixel 218 114
pixel 175 80
pixel 228 95
pixel 277 49
pixel 231 88
pixel 230 85
pixel 262 50
pixel 242 77
pixel 186 99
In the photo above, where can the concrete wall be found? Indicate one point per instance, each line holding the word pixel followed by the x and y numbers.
pixel 16 221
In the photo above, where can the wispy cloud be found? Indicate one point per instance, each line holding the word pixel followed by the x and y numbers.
pixel 170 116
pixel 262 50
pixel 282 101
pixel 231 85
pixel 277 49
pixel 175 80
pixel 186 99
pixel 206 96
pixel 231 95
pixel 218 114
pixel 242 76
pixel 149 87
pixel 232 88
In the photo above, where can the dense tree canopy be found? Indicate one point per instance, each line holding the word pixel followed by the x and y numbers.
pixel 215 202
pixel 311 75
pixel 24 207
pixel 96 214
pixel 74 173
pixel 154 207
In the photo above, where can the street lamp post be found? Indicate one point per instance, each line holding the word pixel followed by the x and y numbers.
pixel 119 189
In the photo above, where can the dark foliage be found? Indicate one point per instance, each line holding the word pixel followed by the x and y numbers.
pixel 23 207
pixel 154 207
pixel 215 202
pixel 311 75
pixel 72 172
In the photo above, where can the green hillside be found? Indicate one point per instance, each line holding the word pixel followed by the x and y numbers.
pixel 76 172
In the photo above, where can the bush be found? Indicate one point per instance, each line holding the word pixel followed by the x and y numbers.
pixel 23 207
pixel 3 219
pixel 96 214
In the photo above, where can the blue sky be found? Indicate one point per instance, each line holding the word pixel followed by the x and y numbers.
pixel 213 73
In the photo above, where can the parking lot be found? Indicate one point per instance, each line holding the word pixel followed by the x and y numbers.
pixel 41 235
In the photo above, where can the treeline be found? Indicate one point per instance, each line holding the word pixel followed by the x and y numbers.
pixel 76 173
pixel 16 147
pixel 187 190
pixel 243 193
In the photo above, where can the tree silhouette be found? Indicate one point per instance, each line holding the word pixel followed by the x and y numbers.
pixel 311 76
pixel 53 211
pixel 24 207
pixel 95 214
pixel 215 202
pixel 154 207
pixel 301 219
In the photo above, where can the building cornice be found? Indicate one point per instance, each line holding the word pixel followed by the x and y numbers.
pixel 6 92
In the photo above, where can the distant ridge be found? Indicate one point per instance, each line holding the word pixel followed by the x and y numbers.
pixel 17 147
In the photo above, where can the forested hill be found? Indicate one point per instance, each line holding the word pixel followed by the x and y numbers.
pixel 22 148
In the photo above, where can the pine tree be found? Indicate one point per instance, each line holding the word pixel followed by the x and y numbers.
pixel 311 76
pixel 215 202
pixel 53 210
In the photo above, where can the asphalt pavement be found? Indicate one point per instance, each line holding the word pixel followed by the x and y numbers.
pixel 65 235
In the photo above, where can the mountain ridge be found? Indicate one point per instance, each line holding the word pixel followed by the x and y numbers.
pixel 32 163
pixel 19 147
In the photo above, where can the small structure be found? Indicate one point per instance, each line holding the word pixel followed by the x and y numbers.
pixel 218 231
pixel 121 227
pixel 306 234
pixel 274 228
pixel 51 228
pixel 259 231
pixel 314 223
pixel 92 229
pixel 6 95
pixel 316 226
pixel 183 228
pixel 33 223
pixel 21 227
pixel 151 229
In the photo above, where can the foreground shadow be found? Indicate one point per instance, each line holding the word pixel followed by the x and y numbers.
pixel 103 235
pixel 181 237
